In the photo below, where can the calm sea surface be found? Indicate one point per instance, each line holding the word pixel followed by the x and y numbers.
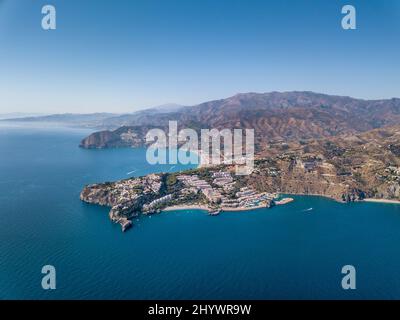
pixel 286 252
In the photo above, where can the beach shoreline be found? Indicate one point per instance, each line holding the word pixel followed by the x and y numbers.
pixel 188 207
pixel 382 201
pixel 208 209
pixel 225 209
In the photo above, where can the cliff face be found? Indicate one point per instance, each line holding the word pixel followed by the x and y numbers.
pixel 125 198
pixel 133 136
pixel 101 194
pixel 345 167
pixel 103 139
pixel 107 195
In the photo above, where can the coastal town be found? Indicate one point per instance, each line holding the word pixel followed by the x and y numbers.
pixel 220 193
pixel 213 191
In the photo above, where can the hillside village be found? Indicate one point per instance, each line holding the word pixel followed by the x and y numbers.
pixel 215 190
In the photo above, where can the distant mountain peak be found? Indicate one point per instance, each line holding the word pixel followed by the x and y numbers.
pixel 168 107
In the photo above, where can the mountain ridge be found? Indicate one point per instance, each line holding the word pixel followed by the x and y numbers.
pixel 273 115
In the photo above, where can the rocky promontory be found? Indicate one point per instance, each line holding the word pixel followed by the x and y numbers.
pixel 125 198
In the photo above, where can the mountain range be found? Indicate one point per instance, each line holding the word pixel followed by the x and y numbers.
pixel 286 116
pixel 275 116
pixel 97 121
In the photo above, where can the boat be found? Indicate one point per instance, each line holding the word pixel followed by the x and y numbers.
pixel 214 213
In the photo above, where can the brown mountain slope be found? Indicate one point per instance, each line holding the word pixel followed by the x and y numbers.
pixel 288 116
pixel 361 165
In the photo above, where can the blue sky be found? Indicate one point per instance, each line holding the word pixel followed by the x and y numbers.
pixel 120 56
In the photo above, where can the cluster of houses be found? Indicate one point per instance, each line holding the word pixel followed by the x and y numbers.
pixel 154 203
pixel 153 182
pixel 219 189
pixel 245 198
pixel 248 198
pixel 223 179
pixel 212 195
pixel 125 190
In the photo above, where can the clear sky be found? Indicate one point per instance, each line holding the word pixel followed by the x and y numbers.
pixel 119 56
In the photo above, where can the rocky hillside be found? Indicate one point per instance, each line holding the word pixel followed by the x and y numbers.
pixel 360 165
pixel 285 116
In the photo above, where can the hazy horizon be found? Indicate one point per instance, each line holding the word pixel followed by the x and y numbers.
pixel 125 56
pixel 33 113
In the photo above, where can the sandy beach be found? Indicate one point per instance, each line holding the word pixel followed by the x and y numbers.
pixel 226 209
pixel 208 209
pixel 382 201
pixel 192 207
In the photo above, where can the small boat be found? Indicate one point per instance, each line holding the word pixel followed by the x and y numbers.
pixel 309 209
pixel 214 213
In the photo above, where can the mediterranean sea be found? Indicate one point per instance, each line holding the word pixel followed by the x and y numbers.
pixel 295 251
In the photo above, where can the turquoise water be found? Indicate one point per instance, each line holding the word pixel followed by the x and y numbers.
pixel 284 252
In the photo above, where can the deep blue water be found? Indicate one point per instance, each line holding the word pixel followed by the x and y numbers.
pixel 284 252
